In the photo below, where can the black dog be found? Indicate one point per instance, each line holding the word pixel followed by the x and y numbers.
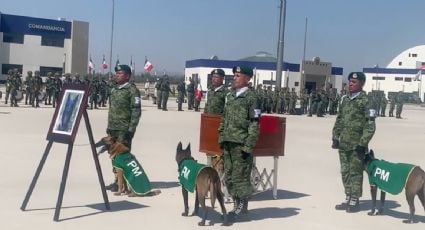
pixel 201 178
pixel 381 177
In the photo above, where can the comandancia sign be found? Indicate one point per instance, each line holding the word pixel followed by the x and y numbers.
pixel 34 26
pixel 46 27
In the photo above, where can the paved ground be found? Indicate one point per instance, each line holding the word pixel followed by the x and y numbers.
pixel 309 183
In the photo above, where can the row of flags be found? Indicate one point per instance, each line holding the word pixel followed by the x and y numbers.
pixel 148 67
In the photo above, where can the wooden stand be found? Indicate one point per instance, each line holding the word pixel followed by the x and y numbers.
pixel 271 143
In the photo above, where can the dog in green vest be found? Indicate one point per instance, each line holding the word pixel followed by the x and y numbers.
pixel 130 176
pixel 393 178
pixel 199 178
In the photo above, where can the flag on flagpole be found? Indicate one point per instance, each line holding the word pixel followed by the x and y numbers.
pixel 131 64
pixel 148 65
pixel 91 65
pixel 104 65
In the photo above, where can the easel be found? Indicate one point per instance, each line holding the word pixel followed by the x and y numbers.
pixel 68 139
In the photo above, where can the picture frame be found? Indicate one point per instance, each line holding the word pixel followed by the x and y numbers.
pixel 69 110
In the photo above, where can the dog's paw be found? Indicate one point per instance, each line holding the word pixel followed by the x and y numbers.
pixel 409 221
pixel 185 213
pixel 371 213
pixel 194 213
pixel 202 223
pixel 117 193
pixel 380 212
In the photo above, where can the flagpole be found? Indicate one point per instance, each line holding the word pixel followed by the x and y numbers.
pixel 112 38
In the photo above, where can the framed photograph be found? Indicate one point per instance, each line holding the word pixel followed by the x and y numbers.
pixel 66 119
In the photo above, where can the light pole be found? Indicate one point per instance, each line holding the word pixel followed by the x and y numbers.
pixel 112 38
pixel 280 44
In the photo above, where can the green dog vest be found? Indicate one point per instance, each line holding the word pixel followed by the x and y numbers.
pixel 133 173
pixel 389 177
pixel 188 172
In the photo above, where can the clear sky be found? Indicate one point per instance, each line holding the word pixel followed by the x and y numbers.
pixel 350 34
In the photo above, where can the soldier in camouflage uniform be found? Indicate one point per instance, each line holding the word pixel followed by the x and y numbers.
pixel 57 88
pixel 68 79
pixel 77 79
pixel 190 94
pixel 238 134
pixel 353 129
pixel 181 94
pixel 165 92
pixel 293 101
pixel 29 94
pixel 15 85
pixel 399 101
pixel 384 103
pixel 217 92
pixel 103 91
pixel 49 88
pixel 37 88
pixel 392 105
pixel 125 109
pixel 8 81
pixel 158 101
pixel 94 90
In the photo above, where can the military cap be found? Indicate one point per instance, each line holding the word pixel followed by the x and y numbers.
pixel 29 72
pixel 49 74
pixel 357 75
pixel 57 74
pixel 244 70
pixel 37 73
pixel 124 68
pixel 218 72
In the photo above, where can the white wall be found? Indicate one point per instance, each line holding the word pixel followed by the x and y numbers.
pixel 390 84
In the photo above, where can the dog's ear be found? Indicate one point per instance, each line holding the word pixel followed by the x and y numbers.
pixel 372 154
pixel 179 147
pixel 187 147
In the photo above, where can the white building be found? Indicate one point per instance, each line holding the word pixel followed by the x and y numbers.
pixel 403 73
pixel 316 74
pixel 31 44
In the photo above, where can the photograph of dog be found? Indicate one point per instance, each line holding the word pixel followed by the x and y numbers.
pixel 393 178
pixel 129 174
pixel 201 179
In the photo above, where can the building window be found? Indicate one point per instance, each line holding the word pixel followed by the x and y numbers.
pixel 44 70
pixel 6 67
pixel 378 78
pixel 408 79
pixel 398 78
pixel 52 41
pixel 296 83
pixel 414 55
pixel 400 63
pixel 13 38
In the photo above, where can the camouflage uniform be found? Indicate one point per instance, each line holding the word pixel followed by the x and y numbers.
pixel 354 126
pixel 190 94
pixel 94 90
pixel 399 101
pixel 392 106
pixel 215 100
pixel 8 82
pixel 165 93
pixel 124 112
pixel 384 102
pixel 37 87
pixel 29 94
pixel 239 131
pixel 57 88
pixel 181 92
pixel 158 101
pixel 15 85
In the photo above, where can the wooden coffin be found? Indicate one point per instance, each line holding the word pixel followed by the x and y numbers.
pixel 271 141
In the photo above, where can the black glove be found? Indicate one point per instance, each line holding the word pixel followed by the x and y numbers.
pixel 245 155
pixel 335 144
pixel 361 151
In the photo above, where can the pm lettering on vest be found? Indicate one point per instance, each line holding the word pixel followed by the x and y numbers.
pixel 185 172
pixel 384 175
pixel 135 169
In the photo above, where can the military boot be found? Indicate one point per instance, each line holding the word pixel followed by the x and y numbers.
pixel 241 206
pixel 236 202
pixel 353 205
pixel 343 205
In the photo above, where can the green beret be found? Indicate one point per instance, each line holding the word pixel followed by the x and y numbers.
pixel 244 70
pixel 218 71
pixel 124 68
pixel 357 75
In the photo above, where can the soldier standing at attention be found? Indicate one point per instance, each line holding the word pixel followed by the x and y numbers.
pixel 158 93
pixel 15 85
pixel 28 88
pixel 392 105
pixel 238 134
pixel 125 110
pixel 353 129
pixel 190 94
pixel 165 92
pixel 77 79
pixel 399 101
pixel 8 82
pixel 57 88
pixel 38 84
pixel 181 92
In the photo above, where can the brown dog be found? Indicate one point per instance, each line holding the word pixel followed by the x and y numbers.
pixel 199 178
pixel 130 176
pixel 415 184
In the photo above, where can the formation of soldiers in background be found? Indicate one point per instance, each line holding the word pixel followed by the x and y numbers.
pixel 320 102
pixel 36 90
pixel 284 101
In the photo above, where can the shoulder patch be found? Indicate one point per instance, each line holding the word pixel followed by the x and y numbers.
pixel 136 100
